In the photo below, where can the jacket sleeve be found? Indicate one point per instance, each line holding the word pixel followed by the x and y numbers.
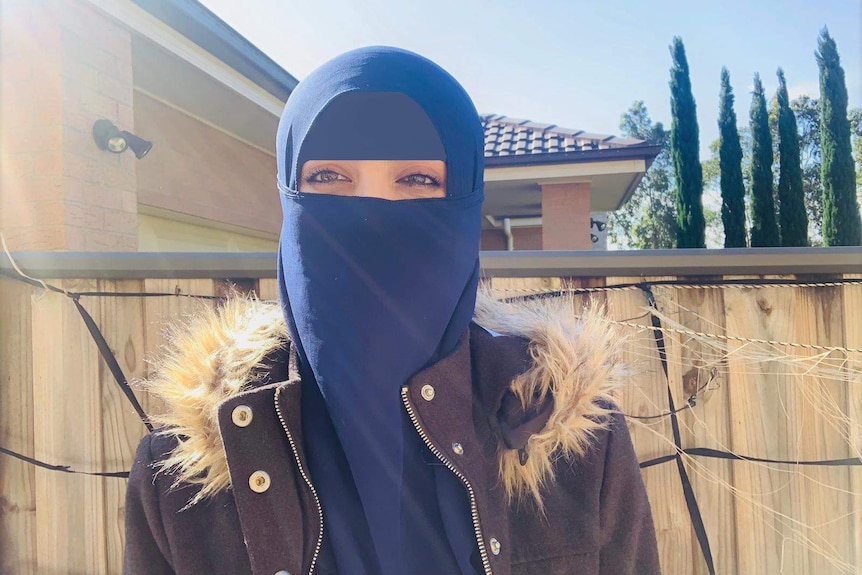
pixel 146 548
pixel 627 531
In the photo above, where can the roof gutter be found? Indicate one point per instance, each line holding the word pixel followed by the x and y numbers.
pixel 640 152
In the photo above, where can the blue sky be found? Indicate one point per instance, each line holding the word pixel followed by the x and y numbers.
pixel 578 64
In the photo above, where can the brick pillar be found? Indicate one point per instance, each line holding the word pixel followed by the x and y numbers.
pixel 566 217
pixel 63 65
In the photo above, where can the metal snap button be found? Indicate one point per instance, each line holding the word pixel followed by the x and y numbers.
pixel 427 392
pixel 458 448
pixel 259 481
pixel 495 546
pixel 241 415
pixel 282 572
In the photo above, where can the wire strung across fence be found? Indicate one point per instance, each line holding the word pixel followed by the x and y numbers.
pixel 656 327
pixel 123 382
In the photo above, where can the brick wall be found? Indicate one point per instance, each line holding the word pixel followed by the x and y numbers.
pixel 63 65
pixel 565 222
pixel 566 217
pixel 524 239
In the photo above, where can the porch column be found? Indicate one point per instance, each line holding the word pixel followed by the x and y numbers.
pixel 566 216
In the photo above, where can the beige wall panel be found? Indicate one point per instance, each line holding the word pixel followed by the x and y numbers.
pixel 197 170
pixel 157 234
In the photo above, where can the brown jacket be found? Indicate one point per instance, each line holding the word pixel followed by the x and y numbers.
pixel 521 414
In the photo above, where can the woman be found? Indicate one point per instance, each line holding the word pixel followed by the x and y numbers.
pixel 368 425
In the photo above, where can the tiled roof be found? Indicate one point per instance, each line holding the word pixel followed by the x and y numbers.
pixel 506 136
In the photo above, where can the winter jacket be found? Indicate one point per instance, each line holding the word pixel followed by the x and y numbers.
pixel 521 412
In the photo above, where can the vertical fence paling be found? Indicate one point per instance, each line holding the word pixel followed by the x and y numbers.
pixel 17 478
pixel 853 338
pixel 753 429
pixel 59 403
pixel 646 396
pixel 67 397
pixel 826 509
pixel 706 426
pixel 121 320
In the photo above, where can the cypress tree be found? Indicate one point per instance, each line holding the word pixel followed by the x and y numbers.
pixel 730 164
pixel 685 150
pixel 764 229
pixel 792 218
pixel 841 224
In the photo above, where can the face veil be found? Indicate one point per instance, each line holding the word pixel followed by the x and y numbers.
pixel 375 290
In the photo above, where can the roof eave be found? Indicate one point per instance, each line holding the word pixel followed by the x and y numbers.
pixel 194 21
pixel 637 181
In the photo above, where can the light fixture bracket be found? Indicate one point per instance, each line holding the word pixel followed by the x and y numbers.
pixel 110 139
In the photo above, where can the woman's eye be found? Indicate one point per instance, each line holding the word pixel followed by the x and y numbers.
pixel 420 180
pixel 325 177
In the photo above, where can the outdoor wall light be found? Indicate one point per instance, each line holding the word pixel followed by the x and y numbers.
pixel 111 139
pixel 601 226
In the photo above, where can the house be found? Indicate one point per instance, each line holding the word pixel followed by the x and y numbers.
pixel 199 104
pixel 550 188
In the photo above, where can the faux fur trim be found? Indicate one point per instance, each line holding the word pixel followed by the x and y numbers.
pixel 213 356
pixel 575 360
pixel 210 358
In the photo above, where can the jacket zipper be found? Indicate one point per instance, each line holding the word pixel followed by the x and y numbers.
pixel 474 509
pixel 307 482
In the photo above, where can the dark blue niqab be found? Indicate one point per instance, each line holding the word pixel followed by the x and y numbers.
pixel 374 291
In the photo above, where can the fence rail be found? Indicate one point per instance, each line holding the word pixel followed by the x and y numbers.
pixel 521 264
pixel 730 364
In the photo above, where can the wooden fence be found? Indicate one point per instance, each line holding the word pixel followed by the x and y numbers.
pixel 60 404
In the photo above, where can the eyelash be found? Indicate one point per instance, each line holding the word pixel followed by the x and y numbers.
pixel 313 178
pixel 434 182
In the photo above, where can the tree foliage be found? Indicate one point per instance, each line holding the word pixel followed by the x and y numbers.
pixel 730 169
pixel 807 111
pixel 712 166
pixel 648 219
pixel 651 218
pixel 841 220
pixel 764 229
pixel 684 151
pixel 792 219
pixel 855 116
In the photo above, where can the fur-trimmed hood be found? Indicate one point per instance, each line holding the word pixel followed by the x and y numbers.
pixel 570 386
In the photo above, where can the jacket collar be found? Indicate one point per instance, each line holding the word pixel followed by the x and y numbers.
pixel 544 376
